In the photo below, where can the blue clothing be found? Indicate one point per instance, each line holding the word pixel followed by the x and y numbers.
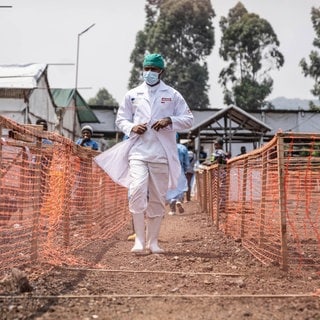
pixel 183 157
pixel 89 143
pixel 46 141
pixel 178 193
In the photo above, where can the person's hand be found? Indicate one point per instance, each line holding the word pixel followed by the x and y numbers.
pixel 140 128
pixel 162 123
pixel 84 140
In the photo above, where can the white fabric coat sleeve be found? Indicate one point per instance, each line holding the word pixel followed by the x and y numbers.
pixel 124 120
pixel 182 118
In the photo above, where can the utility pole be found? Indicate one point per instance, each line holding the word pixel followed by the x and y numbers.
pixel 76 81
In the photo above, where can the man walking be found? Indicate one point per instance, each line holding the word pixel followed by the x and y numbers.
pixel 150 115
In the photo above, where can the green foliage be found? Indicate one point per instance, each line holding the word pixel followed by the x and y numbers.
pixel 182 31
pixel 313 107
pixel 103 98
pixel 250 95
pixel 136 58
pixel 313 68
pixel 316 151
pixel 250 47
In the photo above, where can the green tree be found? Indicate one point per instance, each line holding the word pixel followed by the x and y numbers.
pixel 313 69
pixel 250 47
pixel 182 31
pixel 103 98
pixel 136 57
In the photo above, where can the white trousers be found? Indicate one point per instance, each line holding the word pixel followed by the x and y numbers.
pixel 148 187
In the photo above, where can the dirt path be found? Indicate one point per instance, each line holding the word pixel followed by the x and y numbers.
pixel 202 275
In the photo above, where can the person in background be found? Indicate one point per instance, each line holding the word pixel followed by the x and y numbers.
pixel 218 156
pixel 86 140
pixel 243 150
pixel 190 171
pixel 44 124
pixel 150 115
pixel 83 168
pixel 46 159
pixel 175 196
pixel 202 155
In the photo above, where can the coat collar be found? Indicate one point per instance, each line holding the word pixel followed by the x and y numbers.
pixel 143 87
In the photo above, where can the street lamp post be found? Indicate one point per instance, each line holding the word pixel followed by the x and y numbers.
pixel 76 81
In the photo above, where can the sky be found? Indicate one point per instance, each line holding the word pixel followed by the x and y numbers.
pixel 47 31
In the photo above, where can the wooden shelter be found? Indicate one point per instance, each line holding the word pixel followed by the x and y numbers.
pixel 231 123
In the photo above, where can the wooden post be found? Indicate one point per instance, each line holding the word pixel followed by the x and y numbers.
pixel 36 203
pixel 200 187
pixel 1 175
pixel 282 203
pixel 0 158
pixel 66 203
pixel 24 181
pixel 263 197
pixel 89 178
pixel 210 214
pixel 244 197
pixel 227 190
pixel 204 191
pixel 218 190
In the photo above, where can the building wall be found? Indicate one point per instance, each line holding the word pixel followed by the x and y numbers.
pixel 41 105
pixel 38 105
pixel 13 109
pixel 285 120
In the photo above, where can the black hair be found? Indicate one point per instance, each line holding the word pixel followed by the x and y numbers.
pixel 43 123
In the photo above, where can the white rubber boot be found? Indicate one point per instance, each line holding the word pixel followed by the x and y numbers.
pixel 139 229
pixel 153 229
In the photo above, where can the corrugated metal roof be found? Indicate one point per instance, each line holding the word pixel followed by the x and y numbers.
pixel 239 117
pixel 21 76
pixel 231 122
pixel 64 98
pixel 85 114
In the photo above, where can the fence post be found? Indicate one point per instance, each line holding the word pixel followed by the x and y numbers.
pixel 36 206
pixel 219 196
pixel 89 211
pixel 282 202
pixel 263 196
pixel 0 158
pixel 227 194
pixel 67 198
pixel 210 200
pixel 201 188
pixel 244 197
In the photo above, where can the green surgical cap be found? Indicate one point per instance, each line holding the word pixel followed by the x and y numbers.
pixel 154 60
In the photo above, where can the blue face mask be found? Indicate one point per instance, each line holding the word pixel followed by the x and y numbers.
pixel 150 77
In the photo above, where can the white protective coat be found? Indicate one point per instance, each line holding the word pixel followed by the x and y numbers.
pixel 137 109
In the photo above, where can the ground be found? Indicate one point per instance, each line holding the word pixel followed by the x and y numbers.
pixel 203 275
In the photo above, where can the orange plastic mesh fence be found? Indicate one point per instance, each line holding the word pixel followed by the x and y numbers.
pixel 53 199
pixel 270 200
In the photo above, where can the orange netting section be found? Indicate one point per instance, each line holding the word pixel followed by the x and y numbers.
pixel 269 199
pixel 53 198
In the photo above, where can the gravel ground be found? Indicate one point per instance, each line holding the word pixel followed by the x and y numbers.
pixel 202 275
